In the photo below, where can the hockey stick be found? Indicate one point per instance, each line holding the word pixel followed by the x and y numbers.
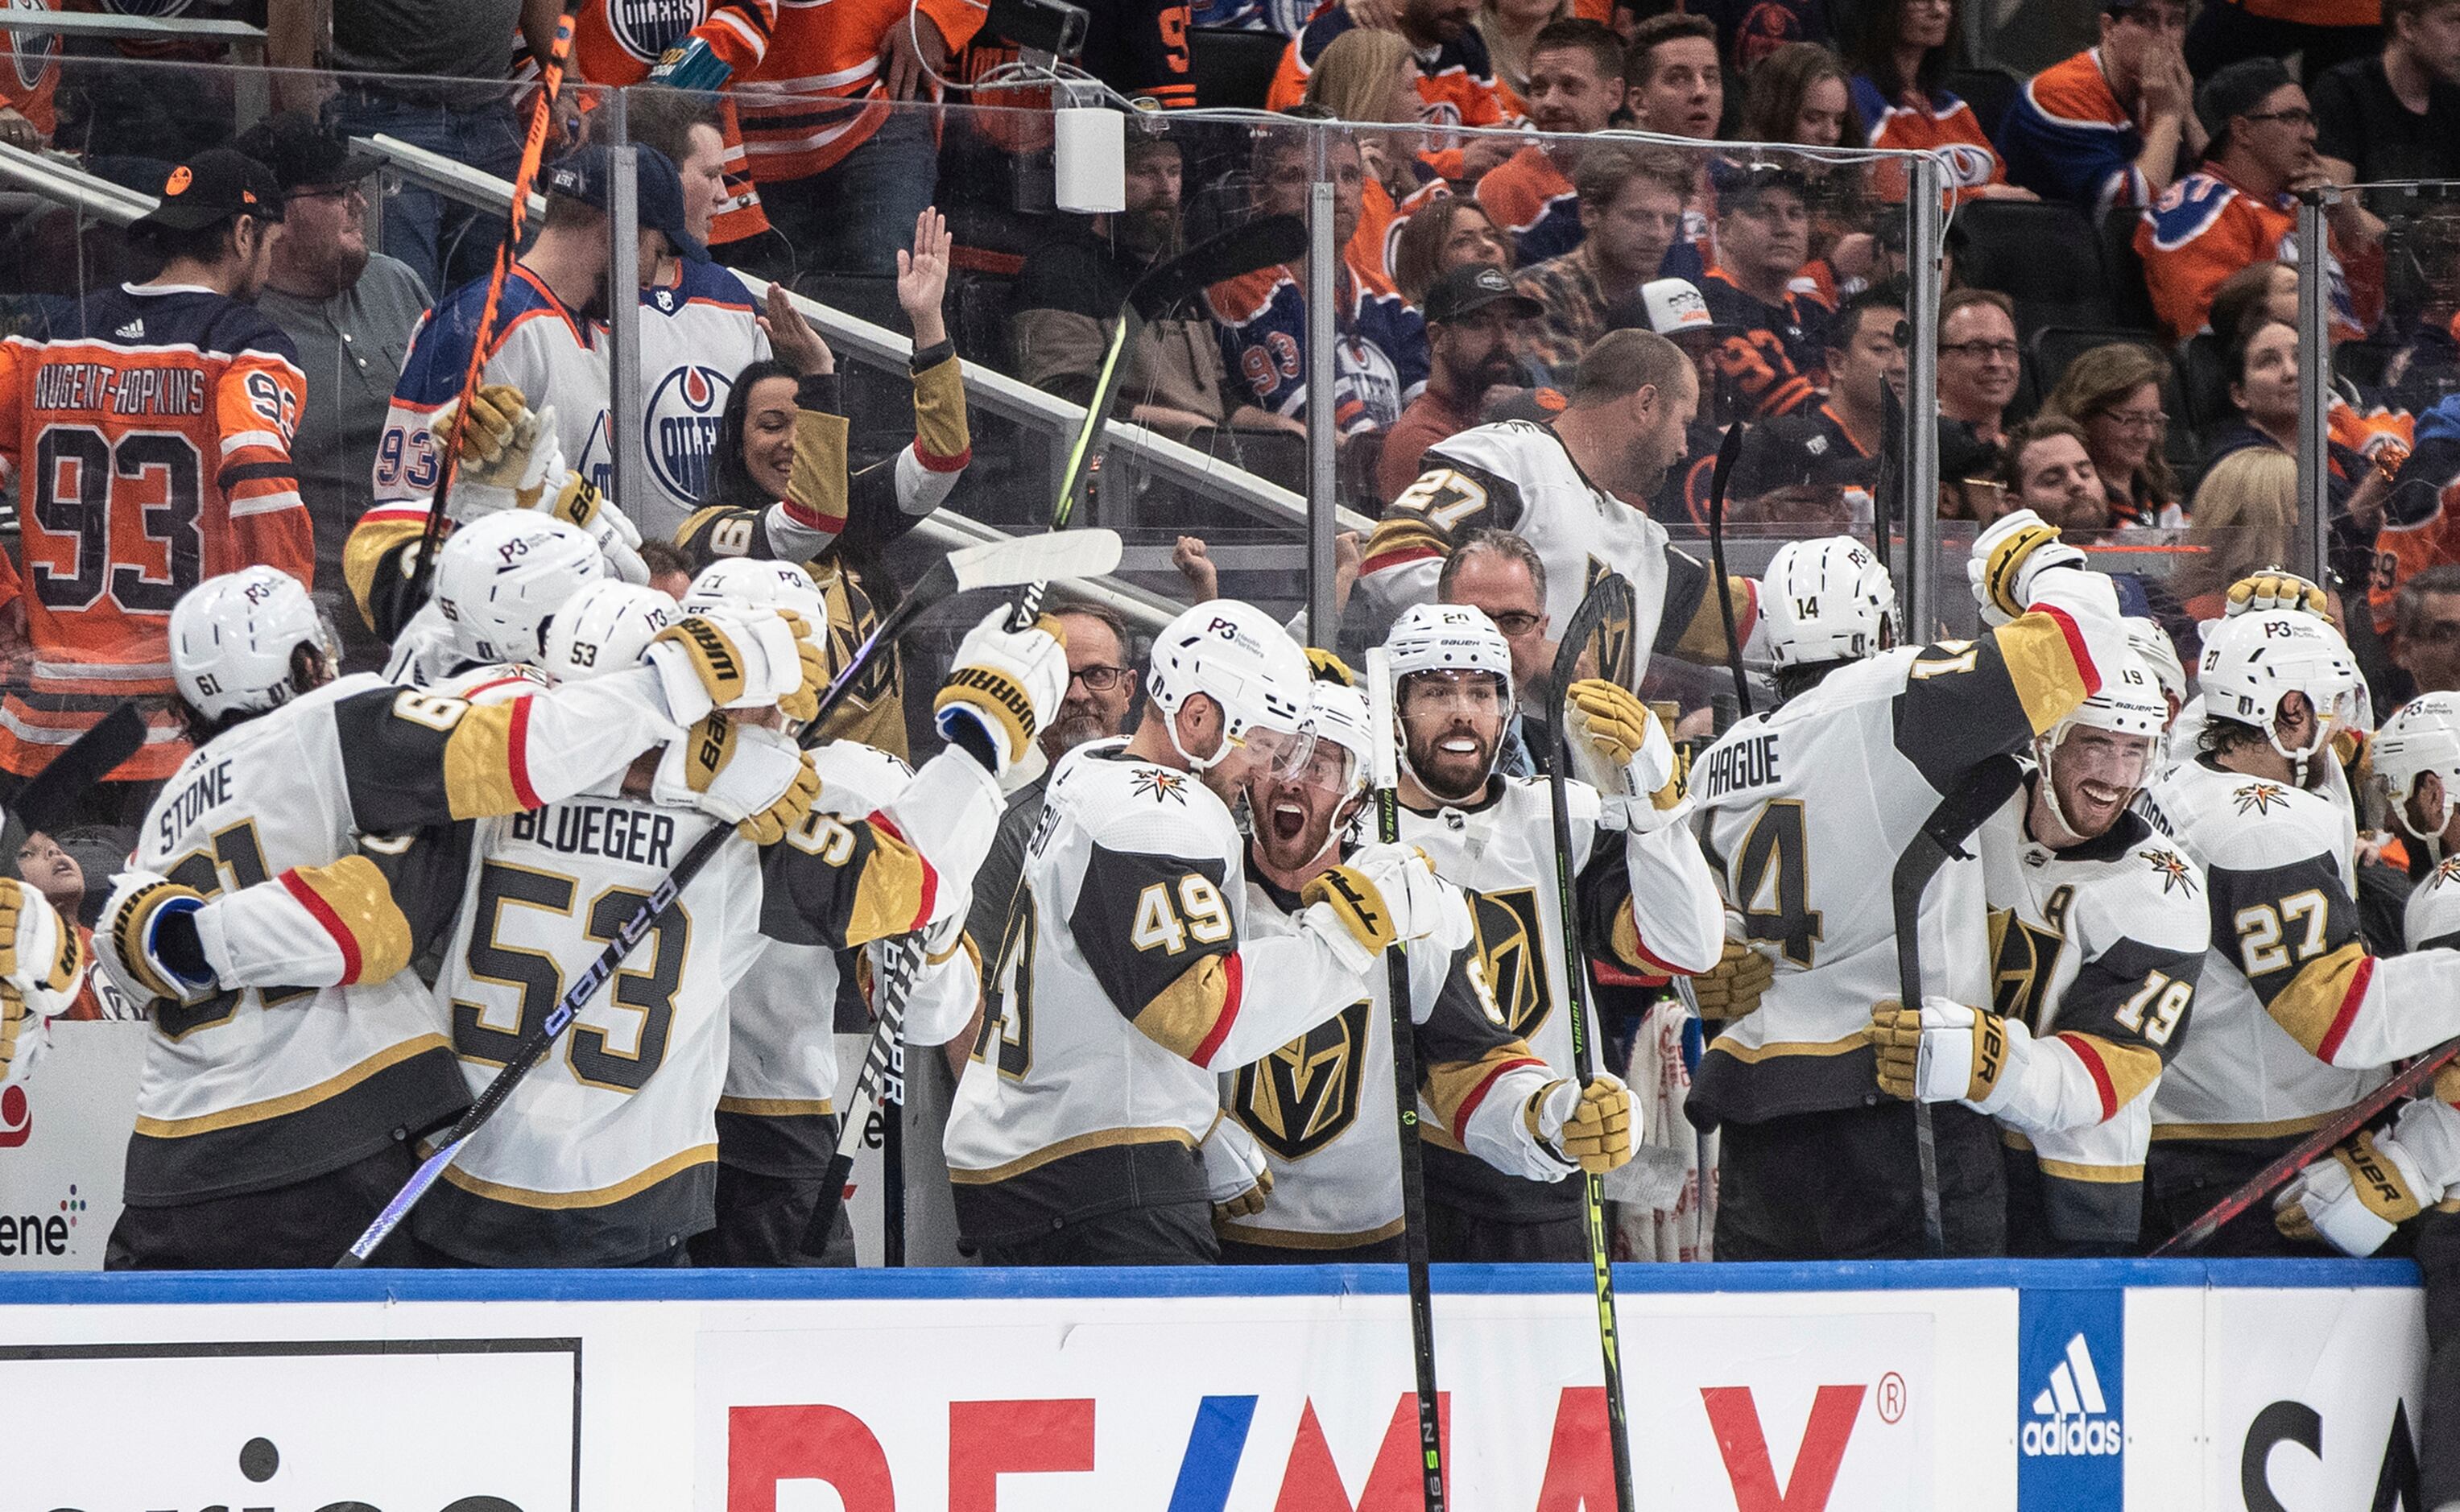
pixel 1604 617
pixel 532 153
pixel 1242 249
pixel 1958 815
pixel 1384 773
pixel 46 796
pixel 1728 451
pixel 993 564
pixel 2318 1142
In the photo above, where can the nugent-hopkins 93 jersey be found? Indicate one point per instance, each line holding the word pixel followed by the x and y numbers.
pixel 1803 810
pixel 1130 976
pixel 2097 949
pixel 1320 1106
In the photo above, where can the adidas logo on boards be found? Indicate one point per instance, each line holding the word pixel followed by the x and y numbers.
pixel 2071 1416
pixel 134 330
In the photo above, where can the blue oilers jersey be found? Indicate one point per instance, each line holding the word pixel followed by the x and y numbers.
pixel 1380 364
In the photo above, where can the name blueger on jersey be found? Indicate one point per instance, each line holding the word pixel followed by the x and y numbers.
pixel 616 831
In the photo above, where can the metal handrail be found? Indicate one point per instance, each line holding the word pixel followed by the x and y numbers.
pixel 160 29
pixel 997 392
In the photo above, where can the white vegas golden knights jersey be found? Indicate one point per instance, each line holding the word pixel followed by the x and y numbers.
pixel 1804 809
pixel 776 1116
pixel 1516 475
pixel 2097 950
pixel 1320 1106
pixel 2276 998
pixel 2432 918
pixel 1649 905
pixel 284 1080
pixel 1129 978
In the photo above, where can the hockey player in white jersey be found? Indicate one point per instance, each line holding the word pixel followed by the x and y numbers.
pixel 2295 1019
pixel 777 1124
pixel 1576 491
pixel 1803 810
pixel 1319 1108
pixel 1646 898
pixel 42 960
pixel 2098 933
pixel 1131 976
pixel 290 1064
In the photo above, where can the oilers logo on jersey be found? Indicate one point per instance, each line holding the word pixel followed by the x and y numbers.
pixel 647 28
pixel 683 411
pixel 30 52
pixel 1304 1095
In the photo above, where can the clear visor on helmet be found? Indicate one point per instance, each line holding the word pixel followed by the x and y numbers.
pixel 2103 757
pixel 2339 709
pixel 1281 754
pixel 1330 768
pixel 1426 696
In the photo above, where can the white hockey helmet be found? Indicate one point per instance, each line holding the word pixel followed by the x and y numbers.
pixel 2422 736
pixel 604 628
pixel 232 635
pixel 2151 644
pixel 2251 661
pixel 1446 638
pixel 1234 654
pixel 2129 703
pixel 1345 741
pixel 1826 600
pixel 749 582
pixel 500 577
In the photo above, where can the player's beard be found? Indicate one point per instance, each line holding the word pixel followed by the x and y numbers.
pixel 1454 776
pixel 1288 831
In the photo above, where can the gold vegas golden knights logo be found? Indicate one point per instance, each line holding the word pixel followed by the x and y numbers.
pixel 1300 1098
pixel 1514 962
pixel 2024 957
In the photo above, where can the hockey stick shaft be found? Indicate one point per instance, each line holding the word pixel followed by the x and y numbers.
pixel 1594 611
pixel 1404 1103
pixel 2318 1142
pixel 643 920
pixel 1958 815
pixel 1728 451
pixel 550 84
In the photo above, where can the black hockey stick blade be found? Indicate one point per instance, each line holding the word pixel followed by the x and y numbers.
pixel 1242 249
pixel 51 795
pixel 2318 1142
pixel 1958 815
pixel 1600 636
pixel 1728 451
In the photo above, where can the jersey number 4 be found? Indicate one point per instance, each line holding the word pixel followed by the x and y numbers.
pixel 73 488
pixel 593 1052
pixel 1773 881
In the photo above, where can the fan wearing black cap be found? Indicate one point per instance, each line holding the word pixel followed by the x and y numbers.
pixel 350 312
pixel 1474 324
pixel 150 434
pixel 2237 209
pixel 1777 362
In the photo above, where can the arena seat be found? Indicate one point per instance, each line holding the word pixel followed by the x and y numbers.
pixel 1233 70
pixel 2123 270
pixel 1992 92
pixel 2044 257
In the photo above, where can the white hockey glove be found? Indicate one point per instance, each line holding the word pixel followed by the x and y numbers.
pixel 2263 591
pixel 1381 894
pixel 41 962
pixel 1620 750
pixel 2007 558
pixel 735 658
pixel 758 780
pixel 146 940
pixel 1944 1053
pixel 2376 1181
pixel 1586 1126
pixel 1003 688
pixel 1236 1174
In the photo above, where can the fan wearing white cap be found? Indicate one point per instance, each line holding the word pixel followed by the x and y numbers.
pixel 1330 1190
pixel 1806 808
pixel 2099 933
pixel 2296 1019
pixel 1648 902
pixel 285 1050
pixel 1130 974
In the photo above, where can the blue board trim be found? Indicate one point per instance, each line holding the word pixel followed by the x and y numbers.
pixel 56 1289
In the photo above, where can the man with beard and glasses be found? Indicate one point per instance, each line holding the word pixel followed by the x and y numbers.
pixel 1101 684
pixel 349 311
pixel 1072 290
pixel 1575 491
pixel 1647 899
pixel 1328 1140
pixel 1474 323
